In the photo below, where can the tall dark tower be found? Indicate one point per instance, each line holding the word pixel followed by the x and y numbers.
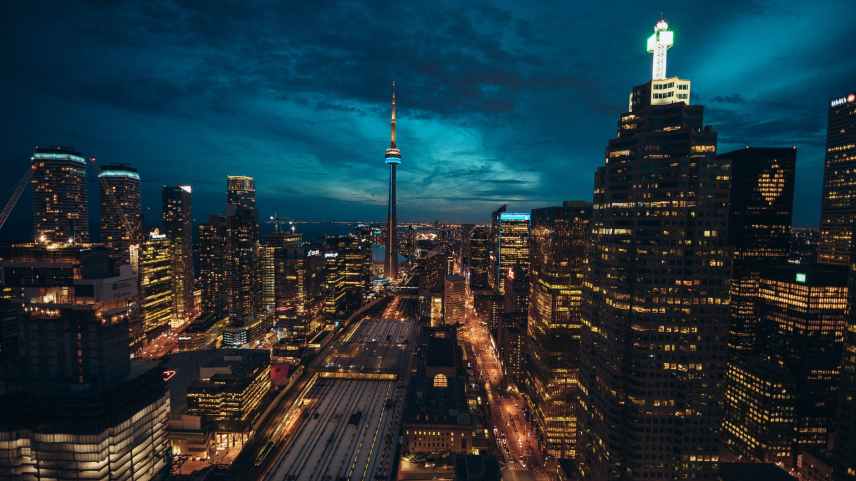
pixel 393 158
pixel 655 301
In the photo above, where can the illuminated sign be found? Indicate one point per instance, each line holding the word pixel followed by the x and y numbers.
pixel 330 255
pixel 514 216
pixel 801 277
pixel 186 188
pixel 314 252
pixel 843 100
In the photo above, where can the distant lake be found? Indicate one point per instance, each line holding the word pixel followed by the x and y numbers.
pixel 379 254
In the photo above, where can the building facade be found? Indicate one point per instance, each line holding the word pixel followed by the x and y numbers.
pixel 759 232
pixel 60 200
pixel 455 300
pixel 557 253
pixel 512 245
pixel 157 284
pixel 121 213
pixel 655 301
pixel 838 210
pixel 241 192
pixel 212 266
pixel 73 404
pixel 177 220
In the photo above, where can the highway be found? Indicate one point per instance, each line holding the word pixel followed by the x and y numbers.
pixel 346 427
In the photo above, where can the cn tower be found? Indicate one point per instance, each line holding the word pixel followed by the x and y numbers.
pixel 393 158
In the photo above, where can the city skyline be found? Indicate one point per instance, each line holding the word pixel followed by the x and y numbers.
pixel 501 116
pixel 670 320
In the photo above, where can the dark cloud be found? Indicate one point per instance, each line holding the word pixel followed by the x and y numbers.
pixel 498 102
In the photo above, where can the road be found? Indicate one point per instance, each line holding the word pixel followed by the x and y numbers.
pixel 515 436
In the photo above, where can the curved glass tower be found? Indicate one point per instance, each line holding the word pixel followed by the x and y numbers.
pixel 393 158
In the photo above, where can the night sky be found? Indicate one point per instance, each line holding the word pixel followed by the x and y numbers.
pixel 498 103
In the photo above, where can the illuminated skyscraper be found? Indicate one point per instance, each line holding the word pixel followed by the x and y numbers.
pixel 454 299
pixel 480 250
pixel 557 254
pixel 393 160
pixel 759 230
pixel 121 215
pixel 347 274
pixel 178 227
pixel 242 286
pixel 60 202
pixel 281 276
pixel 212 266
pixel 511 331
pixel 157 284
pixel 73 404
pixel 512 245
pixel 288 263
pixel 241 191
pixel 845 446
pixel 838 211
pixel 803 312
pixel 494 275
pixel 654 312
pixel 760 410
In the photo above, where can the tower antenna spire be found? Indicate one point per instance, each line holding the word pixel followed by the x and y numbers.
pixel 658 43
pixel 392 119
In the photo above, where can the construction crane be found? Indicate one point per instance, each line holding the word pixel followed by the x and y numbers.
pixel 131 229
pixel 16 196
pixel 277 221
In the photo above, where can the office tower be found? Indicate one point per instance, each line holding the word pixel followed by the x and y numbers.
pixel 157 284
pixel 393 160
pixel 455 300
pixel 838 209
pixel 230 391
pixel 760 410
pixel 267 277
pixel 73 404
pixel 347 274
pixel 281 272
pixel 121 214
pixel 241 191
pixel 557 254
pixel 493 273
pixel 178 227
pixel 761 207
pixel 654 311
pixel 333 287
pixel 511 331
pixel 782 396
pixel 356 254
pixel 289 289
pixel 60 203
pixel 803 311
pixel 512 247
pixel 212 266
pixel 70 277
pixel 241 274
pixel 845 444
pixel 479 257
